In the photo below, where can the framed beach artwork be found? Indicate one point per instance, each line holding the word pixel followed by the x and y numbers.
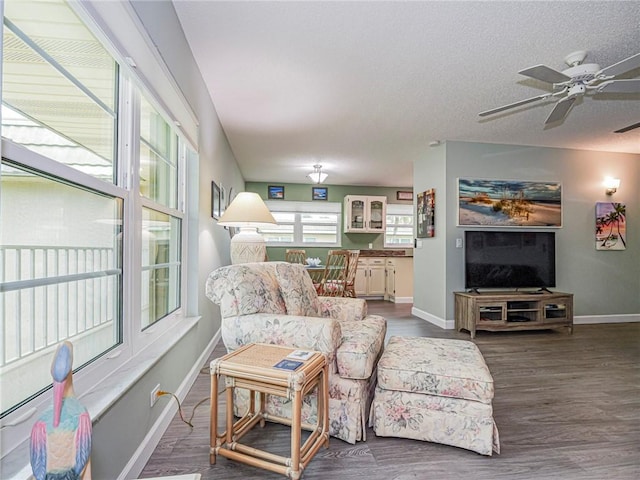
pixel 611 231
pixel 275 192
pixel 319 193
pixel 509 203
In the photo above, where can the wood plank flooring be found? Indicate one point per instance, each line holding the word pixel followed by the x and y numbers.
pixel 567 407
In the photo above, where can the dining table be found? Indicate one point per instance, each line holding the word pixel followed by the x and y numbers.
pixel 315 272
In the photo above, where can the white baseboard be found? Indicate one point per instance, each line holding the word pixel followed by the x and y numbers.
pixel 437 321
pixel 402 300
pixel 580 320
pixel 141 456
pixel 595 319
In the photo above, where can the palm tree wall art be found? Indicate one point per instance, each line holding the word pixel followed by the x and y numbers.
pixel 611 231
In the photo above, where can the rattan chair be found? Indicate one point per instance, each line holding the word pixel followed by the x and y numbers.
pixel 334 277
pixel 295 256
pixel 352 267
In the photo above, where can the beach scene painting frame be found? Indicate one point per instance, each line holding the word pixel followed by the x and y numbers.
pixel 509 203
pixel 611 226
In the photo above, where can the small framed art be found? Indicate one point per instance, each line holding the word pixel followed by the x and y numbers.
pixel 275 192
pixel 319 193
pixel 404 195
pixel 215 200
pixel 611 226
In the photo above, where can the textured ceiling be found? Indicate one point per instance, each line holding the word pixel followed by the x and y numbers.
pixel 364 87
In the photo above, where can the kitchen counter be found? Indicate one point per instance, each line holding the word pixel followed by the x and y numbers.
pixel 395 252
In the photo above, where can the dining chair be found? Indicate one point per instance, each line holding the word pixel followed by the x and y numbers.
pixel 334 276
pixel 295 256
pixel 352 267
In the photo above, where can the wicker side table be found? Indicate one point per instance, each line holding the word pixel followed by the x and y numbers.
pixel 252 367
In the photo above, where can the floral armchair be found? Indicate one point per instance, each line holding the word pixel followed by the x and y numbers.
pixel 275 302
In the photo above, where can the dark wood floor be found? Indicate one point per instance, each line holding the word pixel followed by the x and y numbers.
pixel 567 407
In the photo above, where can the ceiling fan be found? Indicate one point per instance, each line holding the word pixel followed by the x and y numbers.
pixel 576 81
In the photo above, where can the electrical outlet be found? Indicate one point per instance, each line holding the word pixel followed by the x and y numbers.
pixel 154 395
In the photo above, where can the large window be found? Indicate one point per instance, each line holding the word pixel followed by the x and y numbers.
pixel 399 229
pixel 60 276
pixel 86 254
pixel 59 87
pixel 158 157
pixel 160 289
pixel 161 222
pixel 303 224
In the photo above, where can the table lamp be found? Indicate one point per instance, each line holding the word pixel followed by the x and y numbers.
pixel 247 212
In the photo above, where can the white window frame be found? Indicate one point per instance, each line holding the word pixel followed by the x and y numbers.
pixel 300 208
pixel 399 209
pixel 99 381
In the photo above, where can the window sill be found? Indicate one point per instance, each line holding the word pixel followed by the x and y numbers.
pixel 15 465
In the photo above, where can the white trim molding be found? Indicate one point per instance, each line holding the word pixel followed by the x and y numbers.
pixel 615 318
pixel 141 456
pixel 580 320
pixel 437 321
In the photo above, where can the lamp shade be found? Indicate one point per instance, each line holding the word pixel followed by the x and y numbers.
pixel 247 209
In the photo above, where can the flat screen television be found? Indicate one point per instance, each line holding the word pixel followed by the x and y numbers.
pixel 495 259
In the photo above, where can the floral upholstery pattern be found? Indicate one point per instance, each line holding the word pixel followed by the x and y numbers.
pixel 290 313
pixel 313 333
pixel 348 402
pixel 436 366
pixel 438 390
pixel 450 421
pixel 349 309
pixel 247 288
pixel 357 354
pixel 297 290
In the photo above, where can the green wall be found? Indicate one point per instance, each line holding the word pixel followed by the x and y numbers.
pixel 301 192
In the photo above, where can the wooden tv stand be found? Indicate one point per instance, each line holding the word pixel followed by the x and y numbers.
pixel 495 311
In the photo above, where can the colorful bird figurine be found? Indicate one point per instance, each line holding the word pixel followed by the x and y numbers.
pixel 61 438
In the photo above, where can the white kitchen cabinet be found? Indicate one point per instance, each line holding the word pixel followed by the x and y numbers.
pixel 365 214
pixel 399 279
pixel 370 277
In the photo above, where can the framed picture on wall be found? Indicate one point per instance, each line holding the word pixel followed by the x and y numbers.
pixel 404 195
pixel 215 200
pixel 426 211
pixel 275 192
pixel 319 193
pixel 509 203
pixel 611 226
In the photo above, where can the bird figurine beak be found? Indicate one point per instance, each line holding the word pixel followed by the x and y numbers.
pixel 60 371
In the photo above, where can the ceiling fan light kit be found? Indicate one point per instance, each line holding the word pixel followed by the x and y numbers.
pixel 577 81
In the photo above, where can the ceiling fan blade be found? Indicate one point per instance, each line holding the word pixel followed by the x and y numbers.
pixel 622 66
pixel 514 105
pixel 561 110
pixel 626 129
pixel 619 86
pixel 544 73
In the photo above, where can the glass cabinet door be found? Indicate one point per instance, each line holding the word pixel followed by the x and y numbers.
pixel 363 214
pixel 357 221
pixel 376 214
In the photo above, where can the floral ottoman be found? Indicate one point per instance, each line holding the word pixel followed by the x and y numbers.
pixel 438 390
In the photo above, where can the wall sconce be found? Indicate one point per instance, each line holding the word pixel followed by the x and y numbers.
pixel 611 184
